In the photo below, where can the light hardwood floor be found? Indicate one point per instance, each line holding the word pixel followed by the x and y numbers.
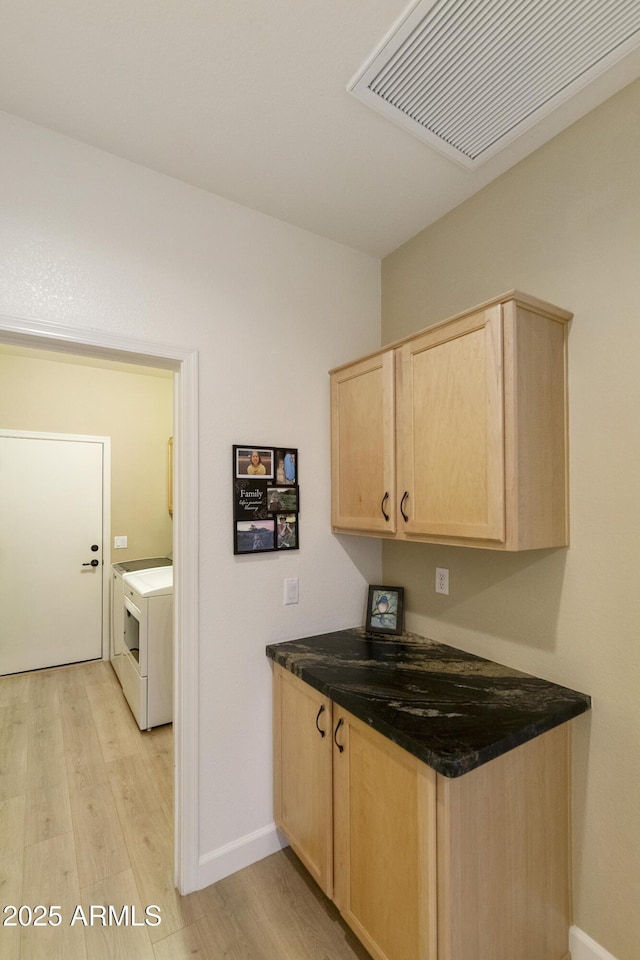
pixel 86 819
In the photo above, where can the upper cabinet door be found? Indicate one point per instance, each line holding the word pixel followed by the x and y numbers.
pixel 450 427
pixel 363 484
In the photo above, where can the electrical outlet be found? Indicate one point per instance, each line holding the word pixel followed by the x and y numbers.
pixel 442 580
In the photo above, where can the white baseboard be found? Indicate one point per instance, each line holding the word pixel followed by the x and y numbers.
pixel 221 863
pixel 583 947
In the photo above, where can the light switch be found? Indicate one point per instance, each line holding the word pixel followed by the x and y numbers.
pixel 119 543
pixel 291 590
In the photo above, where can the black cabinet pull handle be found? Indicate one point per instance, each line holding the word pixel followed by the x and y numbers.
pixel 321 710
pixel 384 499
pixel 335 734
pixel 404 497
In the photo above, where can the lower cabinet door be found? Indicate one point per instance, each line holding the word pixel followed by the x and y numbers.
pixel 302 774
pixel 384 843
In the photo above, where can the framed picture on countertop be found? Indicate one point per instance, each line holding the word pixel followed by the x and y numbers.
pixel 385 610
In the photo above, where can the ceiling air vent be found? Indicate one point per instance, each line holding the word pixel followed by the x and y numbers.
pixel 469 76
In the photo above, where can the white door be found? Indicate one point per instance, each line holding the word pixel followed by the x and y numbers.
pixel 51 551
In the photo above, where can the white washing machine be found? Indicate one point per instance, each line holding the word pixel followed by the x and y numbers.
pixel 147 660
pixel 118 571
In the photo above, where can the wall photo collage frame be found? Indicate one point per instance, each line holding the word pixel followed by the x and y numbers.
pixel 266 499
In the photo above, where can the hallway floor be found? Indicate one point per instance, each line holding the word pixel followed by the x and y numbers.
pixel 86 821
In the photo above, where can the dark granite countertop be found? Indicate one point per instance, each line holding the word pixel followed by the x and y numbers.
pixel 451 709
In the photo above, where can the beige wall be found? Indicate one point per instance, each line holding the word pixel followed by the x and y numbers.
pixel 134 409
pixel 563 225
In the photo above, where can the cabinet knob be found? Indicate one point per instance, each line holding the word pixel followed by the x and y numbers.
pixel 321 710
pixel 404 497
pixel 384 499
pixel 335 734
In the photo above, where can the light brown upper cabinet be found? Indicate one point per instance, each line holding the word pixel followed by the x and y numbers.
pixel 458 434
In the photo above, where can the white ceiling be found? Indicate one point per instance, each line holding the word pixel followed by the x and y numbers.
pixel 247 99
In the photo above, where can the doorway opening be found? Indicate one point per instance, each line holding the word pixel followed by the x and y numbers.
pixel 183 363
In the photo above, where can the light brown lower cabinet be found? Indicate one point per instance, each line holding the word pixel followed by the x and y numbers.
pixel 421 866
pixel 302 774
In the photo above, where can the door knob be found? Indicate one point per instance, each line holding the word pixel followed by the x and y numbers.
pixel 92 563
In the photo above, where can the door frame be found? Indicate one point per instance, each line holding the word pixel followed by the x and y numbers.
pixel 183 362
pixel 105 442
